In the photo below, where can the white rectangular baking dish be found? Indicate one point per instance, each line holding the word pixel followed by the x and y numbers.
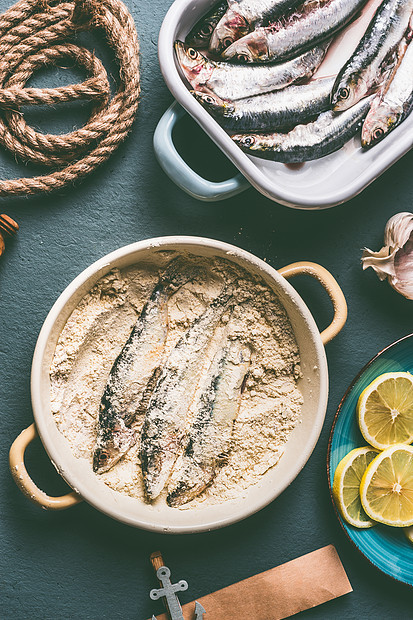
pixel 317 184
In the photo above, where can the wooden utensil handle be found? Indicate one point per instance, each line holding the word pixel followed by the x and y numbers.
pixel 157 560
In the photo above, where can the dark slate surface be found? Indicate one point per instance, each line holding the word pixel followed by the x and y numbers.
pixel 80 563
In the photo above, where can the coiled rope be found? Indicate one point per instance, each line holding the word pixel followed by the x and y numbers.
pixel 34 34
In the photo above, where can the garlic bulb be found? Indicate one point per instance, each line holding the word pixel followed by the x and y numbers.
pixel 395 259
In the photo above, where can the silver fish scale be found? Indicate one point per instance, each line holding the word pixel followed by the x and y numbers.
pixel 243 16
pixel 232 82
pixel 395 102
pixel 399 94
pixel 257 12
pixel 377 52
pixel 283 108
pixel 313 22
pixel 312 141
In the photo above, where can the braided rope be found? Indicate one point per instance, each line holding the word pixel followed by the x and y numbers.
pixel 33 34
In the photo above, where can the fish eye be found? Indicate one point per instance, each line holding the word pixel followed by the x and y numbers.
pixel 226 42
pixel 103 457
pixel 378 133
pixel 209 99
pixel 243 58
pixel 206 30
pixel 344 93
pixel 192 53
pixel 248 141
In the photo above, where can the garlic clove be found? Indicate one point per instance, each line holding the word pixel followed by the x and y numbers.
pixel 395 259
pixel 398 229
pixel 403 267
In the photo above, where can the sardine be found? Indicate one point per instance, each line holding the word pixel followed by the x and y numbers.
pixel 305 142
pixel 167 414
pixel 313 22
pixel 208 441
pixel 392 105
pixel 201 33
pixel 133 370
pixel 375 56
pixel 283 108
pixel 243 16
pixel 232 82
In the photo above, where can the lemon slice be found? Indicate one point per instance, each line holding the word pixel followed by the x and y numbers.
pixel 385 410
pixel 386 489
pixel 346 486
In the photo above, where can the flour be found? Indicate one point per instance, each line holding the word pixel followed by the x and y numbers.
pixel 99 327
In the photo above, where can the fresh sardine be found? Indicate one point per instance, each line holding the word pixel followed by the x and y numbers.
pixel 313 22
pixel 305 142
pixel 232 82
pixel 282 108
pixel 133 370
pixel 167 414
pixel 392 105
pixel 243 16
pixel 201 33
pixel 208 441
pixel 375 56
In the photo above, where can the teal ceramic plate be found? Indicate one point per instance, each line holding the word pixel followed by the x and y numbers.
pixel 385 547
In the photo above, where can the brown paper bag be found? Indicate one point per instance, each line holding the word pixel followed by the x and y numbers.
pixel 279 592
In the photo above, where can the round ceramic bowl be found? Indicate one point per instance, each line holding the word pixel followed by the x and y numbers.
pixel 77 471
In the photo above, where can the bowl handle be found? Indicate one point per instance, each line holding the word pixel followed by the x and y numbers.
pixel 26 484
pixel 179 171
pixel 331 286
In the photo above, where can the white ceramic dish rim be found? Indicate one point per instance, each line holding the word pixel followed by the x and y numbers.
pixel 379 159
pixel 96 493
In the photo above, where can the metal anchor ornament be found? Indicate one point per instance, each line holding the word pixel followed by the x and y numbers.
pixel 168 591
pixel 199 611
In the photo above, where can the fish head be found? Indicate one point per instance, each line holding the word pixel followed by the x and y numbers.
pixel 195 66
pixel 347 91
pixel 255 142
pixel 200 35
pixel 378 123
pixel 212 103
pixel 231 26
pixel 111 447
pixel 251 48
pixel 102 460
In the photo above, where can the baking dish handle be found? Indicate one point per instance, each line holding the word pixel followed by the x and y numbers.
pixel 331 286
pixel 26 484
pixel 179 171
